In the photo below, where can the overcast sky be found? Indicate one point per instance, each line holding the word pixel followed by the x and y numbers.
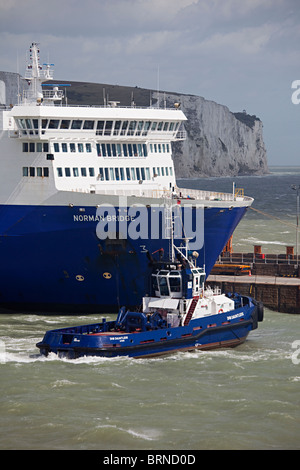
pixel 244 54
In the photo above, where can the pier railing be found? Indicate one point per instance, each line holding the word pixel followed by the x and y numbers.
pixel 254 258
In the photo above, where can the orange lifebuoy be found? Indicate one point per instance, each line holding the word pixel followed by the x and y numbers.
pixel 220 311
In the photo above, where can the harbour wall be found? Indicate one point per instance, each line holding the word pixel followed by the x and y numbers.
pixel 281 294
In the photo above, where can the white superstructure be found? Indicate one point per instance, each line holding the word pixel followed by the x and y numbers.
pixel 53 147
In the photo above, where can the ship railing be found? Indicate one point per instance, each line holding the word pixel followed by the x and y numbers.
pixel 178 193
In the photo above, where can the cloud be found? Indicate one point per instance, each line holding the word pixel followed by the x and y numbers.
pixel 244 54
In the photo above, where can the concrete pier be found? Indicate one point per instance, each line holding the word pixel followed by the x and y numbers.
pixel 277 293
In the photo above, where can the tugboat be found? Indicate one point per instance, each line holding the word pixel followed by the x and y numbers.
pixel 180 314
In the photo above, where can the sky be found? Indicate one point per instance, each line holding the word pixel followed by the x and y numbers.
pixel 244 54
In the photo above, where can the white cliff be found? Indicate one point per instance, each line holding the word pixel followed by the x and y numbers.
pixel 219 142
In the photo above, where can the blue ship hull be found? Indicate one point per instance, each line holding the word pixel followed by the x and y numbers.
pixel 53 262
pixel 102 339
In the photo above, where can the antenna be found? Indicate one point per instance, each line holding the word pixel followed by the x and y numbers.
pixel 158 86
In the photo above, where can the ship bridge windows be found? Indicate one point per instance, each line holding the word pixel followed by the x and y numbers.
pixel 65 124
pixel 133 128
pixel 42 172
pixel 76 124
pixel 122 150
pixel 35 147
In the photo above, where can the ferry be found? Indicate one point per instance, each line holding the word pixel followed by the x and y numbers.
pixel 179 314
pixel 82 194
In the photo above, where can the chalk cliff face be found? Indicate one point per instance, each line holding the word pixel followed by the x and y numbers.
pixel 219 142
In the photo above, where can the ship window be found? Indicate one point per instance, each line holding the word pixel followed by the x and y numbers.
pixel 112 175
pixel 166 126
pixel 53 124
pixel 44 123
pixel 88 125
pixel 135 150
pixel 67 172
pixel 125 150
pixel 138 175
pixel 25 146
pixel 106 174
pixel 117 127
pixel 25 170
pixel 159 126
pixel 46 171
pixel 147 173
pixel 162 171
pixel 91 172
pixel 171 126
pixel 56 147
pixel 45 147
pixel 39 171
pixel 133 174
pixel 128 174
pixel 140 127
pixel 35 123
pixel 88 148
pixel 108 127
pixel 131 129
pixel 80 148
pixel 64 147
pixel 98 150
pixel 75 172
pixel 108 150
pixel 122 174
pixel 83 171
pixel 31 171
pixel 103 147
pixel 28 123
pixel 171 171
pixel 153 127
pixel 39 146
pixel 76 124
pixel 101 174
pixel 59 172
pixel 22 123
pixel 143 174
pixel 163 285
pixel 159 148
pixel 124 127
pixel 158 171
pixel 119 150
pixel 174 283
pixel 147 126
pixel 65 124
pixel 72 148
pixel 100 126
pixel 130 150
pixel 114 152
pixel 167 171
pixel 31 147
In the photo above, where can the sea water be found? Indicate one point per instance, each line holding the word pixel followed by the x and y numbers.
pixel 241 398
